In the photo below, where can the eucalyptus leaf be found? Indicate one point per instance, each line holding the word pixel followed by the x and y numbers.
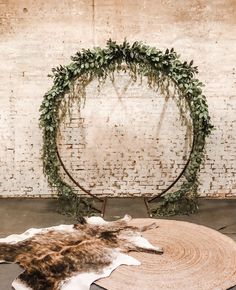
pixel 140 59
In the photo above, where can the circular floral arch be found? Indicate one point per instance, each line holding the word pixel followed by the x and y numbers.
pixel 161 70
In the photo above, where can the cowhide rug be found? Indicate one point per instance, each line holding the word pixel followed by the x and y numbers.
pixel 72 257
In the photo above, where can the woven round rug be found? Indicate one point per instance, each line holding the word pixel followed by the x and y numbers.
pixel 195 257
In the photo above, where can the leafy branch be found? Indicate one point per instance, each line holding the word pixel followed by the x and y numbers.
pixel 139 59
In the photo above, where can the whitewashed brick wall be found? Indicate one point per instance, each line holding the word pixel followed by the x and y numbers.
pixel 127 140
pixel 125 149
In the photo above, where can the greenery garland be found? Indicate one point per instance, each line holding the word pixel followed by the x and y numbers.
pixel 161 69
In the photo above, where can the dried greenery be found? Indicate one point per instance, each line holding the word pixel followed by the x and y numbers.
pixel 162 69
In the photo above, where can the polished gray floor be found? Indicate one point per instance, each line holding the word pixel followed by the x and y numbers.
pixel 17 215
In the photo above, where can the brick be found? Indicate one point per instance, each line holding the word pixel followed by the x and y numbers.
pixel 100 145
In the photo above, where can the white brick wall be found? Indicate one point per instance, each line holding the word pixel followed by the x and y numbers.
pixel 38 35
pixel 126 140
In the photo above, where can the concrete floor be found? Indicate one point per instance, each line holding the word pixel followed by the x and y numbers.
pixel 17 215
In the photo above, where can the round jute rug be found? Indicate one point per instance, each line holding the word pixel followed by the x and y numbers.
pixel 195 257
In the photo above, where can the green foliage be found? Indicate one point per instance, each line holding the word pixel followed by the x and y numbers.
pixel 160 68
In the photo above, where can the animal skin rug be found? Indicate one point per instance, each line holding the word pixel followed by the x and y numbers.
pixel 72 257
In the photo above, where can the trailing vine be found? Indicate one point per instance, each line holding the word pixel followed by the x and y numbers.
pixel 162 69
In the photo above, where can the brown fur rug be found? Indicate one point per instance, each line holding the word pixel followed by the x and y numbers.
pixel 72 257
